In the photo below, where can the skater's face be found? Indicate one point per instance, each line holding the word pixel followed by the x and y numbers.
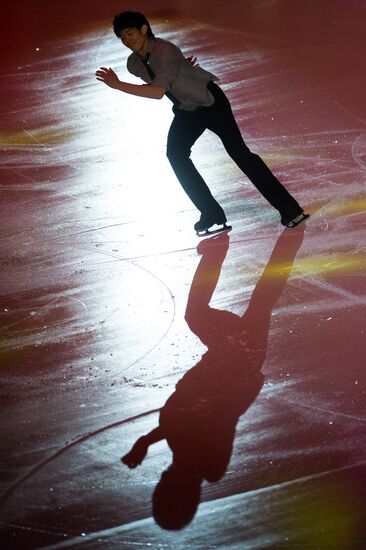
pixel 135 39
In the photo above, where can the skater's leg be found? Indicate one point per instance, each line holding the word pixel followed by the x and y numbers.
pixel 184 131
pixel 256 320
pixel 206 322
pixel 222 123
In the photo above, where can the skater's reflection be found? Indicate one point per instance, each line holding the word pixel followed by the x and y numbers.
pixel 199 418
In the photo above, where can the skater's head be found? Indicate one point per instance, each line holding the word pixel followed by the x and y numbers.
pixel 176 498
pixel 134 30
pixel 127 21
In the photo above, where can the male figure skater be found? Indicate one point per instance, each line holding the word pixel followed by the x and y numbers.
pixel 199 104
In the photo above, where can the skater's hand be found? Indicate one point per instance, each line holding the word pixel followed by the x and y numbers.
pixel 136 454
pixel 192 60
pixel 108 76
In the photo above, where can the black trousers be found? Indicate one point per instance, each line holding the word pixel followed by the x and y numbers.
pixel 186 128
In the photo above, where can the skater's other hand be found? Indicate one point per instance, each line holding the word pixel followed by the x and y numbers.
pixel 108 76
pixel 136 454
pixel 192 60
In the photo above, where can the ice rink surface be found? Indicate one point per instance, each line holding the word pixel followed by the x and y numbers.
pixel 249 346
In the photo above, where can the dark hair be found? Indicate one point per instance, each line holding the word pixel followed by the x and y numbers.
pixel 129 19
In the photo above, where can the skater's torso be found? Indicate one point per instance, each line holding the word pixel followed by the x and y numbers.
pixel 173 72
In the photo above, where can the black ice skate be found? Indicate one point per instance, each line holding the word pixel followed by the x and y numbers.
pixel 295 221
pixel 292 215
pixel 208 220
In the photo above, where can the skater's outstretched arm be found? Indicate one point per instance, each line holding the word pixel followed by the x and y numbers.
pixel 140 448
pixel 109 77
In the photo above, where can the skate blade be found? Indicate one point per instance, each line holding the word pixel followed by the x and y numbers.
pixel 296 221
pixel 208 232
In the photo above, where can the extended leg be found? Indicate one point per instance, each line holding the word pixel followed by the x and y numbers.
pixel 222 122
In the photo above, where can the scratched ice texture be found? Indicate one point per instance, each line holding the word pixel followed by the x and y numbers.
pixel 248 347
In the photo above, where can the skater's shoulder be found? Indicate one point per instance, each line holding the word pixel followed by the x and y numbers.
pixel 157 48
pixel 161 45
